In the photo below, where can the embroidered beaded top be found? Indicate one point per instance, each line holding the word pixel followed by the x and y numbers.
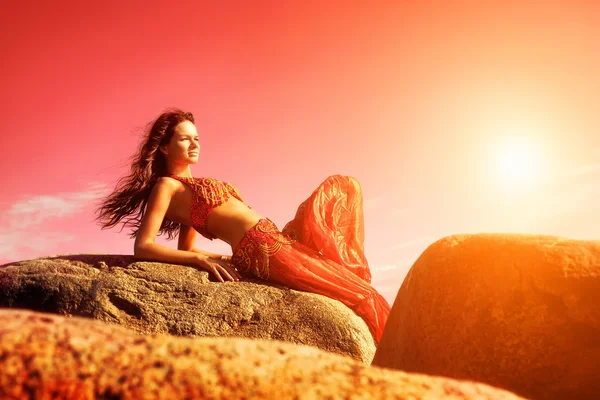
pixel 210 193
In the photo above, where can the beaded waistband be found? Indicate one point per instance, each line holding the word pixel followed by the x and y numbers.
pixel 259 243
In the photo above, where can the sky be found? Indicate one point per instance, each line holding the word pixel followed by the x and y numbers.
pixel 455 117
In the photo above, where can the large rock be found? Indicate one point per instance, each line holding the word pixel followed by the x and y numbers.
pixel 151 297
pixel 48 356
pixel 520 312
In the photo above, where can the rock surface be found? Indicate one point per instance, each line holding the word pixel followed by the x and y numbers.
pixel 521 312
pixel 48 356
pixel 151 297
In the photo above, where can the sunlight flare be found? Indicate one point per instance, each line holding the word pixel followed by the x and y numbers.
pixel 518 168
pixel 518 163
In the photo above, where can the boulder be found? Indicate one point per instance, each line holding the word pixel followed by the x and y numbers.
pixel 48 356
pixel 516 311
pixel 154 297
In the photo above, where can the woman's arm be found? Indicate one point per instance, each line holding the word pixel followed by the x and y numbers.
pixel 146 248
pixel 187 238
pixel 158 252
pixel 207 253
pixel 218 265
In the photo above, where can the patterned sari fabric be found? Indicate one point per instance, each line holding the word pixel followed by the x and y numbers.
pixel 320 251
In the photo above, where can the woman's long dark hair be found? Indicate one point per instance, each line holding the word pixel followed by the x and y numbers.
pixel 148 164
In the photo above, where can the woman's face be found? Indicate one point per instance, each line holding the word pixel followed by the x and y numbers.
pixel 184 145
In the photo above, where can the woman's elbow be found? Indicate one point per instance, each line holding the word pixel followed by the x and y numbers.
pixel 139 250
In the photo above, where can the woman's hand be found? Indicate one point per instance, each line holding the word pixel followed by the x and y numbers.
pixel 218 266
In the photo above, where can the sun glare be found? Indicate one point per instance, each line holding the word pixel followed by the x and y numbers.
pixel 518 163
pixel 518 167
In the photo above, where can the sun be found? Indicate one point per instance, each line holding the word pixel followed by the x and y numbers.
pixel 517 162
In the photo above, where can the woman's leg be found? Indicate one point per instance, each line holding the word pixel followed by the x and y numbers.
pixel 269 254
pixel 330 221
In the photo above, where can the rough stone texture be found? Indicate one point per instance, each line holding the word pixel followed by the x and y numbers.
pixel 151 297
pixel 48 356
pixel 520 312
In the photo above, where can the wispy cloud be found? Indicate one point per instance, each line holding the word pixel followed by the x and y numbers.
pixel 389 267
pixel 34 210
pixel 23 228
pixel 20 245
pixel 387 281
pixel 384 201
pixel 422 240
pixel 387 278
pixel 586 169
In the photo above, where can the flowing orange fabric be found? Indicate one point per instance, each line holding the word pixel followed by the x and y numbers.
pixel 320 251
pixel 331 222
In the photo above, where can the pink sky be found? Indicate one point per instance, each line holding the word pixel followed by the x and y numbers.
pixel 417 100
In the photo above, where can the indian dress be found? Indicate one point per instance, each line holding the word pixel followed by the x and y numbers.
pixel 321 250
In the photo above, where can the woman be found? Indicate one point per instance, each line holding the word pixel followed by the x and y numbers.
pixel 319 251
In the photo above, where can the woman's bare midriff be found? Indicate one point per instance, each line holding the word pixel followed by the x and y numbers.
pixel 231 220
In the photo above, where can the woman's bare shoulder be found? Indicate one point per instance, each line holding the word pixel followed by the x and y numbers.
pixel 167 183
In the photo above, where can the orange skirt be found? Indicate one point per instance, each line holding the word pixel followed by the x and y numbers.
pixel 320 251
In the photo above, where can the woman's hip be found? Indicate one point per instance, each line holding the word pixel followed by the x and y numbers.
pixel 260 242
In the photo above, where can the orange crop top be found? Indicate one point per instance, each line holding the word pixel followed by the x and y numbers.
pixel 210 193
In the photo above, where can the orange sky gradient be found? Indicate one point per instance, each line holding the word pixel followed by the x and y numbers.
pixel 422 101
